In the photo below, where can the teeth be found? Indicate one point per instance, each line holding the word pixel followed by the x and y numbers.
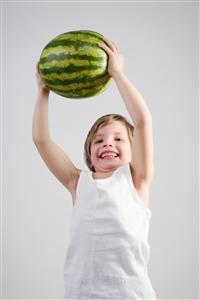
pixel 108 154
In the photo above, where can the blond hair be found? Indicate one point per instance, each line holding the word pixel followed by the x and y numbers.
pixel 101 122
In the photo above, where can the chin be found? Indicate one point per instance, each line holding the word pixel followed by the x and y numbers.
pixel 110 166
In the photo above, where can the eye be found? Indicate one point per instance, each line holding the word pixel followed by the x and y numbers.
pixel 98 141
pixel 118 139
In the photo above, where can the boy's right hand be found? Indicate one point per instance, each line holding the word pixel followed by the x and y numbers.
pixel 40 83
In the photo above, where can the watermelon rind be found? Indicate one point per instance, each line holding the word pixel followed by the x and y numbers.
pixel 73 65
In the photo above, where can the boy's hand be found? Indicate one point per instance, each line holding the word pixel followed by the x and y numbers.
pixel 40 83
pixel 116 60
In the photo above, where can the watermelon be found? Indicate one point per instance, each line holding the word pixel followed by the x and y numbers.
pixel 73 65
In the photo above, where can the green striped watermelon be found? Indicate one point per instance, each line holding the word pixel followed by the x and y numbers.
pixel 74 66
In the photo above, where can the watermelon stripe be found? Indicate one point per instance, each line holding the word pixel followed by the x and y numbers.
pixel 76 44
pixel 73 80
pixel 69 69
pixel 91 51
pixel 66 62
pixel 81 90
pixel 83 93
pixel 73 76
pixel 63 56
pixel 81 32
pixel 78 36
pixel 79 86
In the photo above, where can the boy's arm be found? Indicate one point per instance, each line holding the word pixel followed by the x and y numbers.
pixel 142 150
pixel 54 157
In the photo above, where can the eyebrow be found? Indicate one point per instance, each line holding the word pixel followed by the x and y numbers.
pixel 101 134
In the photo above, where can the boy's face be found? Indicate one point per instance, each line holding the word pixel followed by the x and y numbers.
pixel 110 147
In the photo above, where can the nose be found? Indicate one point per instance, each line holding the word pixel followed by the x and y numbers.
pixel 107 144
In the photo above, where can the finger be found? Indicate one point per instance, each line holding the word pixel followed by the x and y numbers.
pixel 106 48
pixel 110 43
pixel 115 46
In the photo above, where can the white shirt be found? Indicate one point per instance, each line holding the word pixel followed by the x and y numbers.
pixel 108 250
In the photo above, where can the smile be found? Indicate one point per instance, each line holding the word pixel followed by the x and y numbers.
pixel 108 155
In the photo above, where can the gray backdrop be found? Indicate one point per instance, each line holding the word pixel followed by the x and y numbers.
pixel 160 43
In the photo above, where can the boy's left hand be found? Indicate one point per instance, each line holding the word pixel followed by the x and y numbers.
pixel 116 60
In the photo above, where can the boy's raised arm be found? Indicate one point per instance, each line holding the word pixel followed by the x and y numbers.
pixel 54 157
pixel 40 125
pixel 142 150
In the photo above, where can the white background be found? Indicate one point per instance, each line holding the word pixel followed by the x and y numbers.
pixel 159 41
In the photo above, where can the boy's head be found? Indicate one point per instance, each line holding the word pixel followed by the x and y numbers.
pixel 108 143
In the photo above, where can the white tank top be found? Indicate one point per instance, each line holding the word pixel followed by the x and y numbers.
pixel 108 250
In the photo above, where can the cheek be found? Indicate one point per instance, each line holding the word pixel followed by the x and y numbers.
pixel 126 147
pixel 127 150
pixel 93 154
